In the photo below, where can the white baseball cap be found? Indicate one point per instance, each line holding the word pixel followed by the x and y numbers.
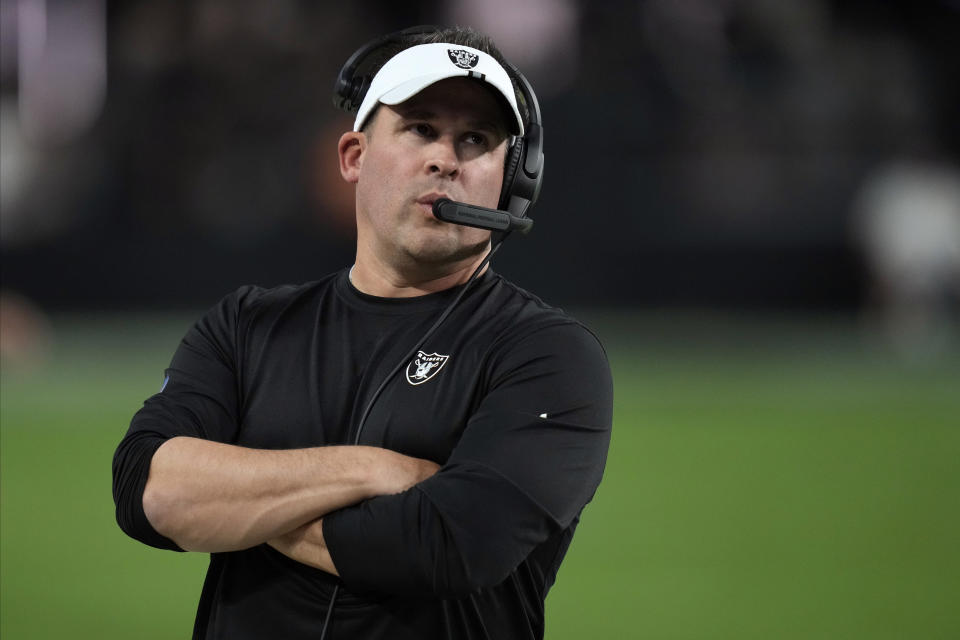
pixel 413 70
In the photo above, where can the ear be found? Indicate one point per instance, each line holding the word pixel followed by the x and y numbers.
pixel 351 150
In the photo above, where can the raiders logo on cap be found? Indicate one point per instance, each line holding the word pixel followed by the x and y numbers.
pixel 463 59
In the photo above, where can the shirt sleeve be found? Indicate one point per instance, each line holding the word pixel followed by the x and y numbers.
pixel 529 459
pixel 199 398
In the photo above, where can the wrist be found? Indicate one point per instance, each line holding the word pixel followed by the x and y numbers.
pixel 370 469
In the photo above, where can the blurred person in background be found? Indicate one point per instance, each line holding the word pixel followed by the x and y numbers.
pixel 907 221
pixel 401 449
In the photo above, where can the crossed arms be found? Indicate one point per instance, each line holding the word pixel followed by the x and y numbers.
pixel 393 523
pixel 213 497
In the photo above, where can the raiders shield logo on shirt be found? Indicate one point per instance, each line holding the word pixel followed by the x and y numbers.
pixel 425 366
pixel 463 59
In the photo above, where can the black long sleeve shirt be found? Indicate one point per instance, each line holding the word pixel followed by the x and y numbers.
pixel 512 397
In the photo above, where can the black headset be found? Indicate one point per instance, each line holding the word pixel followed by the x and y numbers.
pixel 523 170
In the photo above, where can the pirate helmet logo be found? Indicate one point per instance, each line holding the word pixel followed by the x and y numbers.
pixel 463 59
pixel 424 367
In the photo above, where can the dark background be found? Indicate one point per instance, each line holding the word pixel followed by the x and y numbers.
pixel 699 154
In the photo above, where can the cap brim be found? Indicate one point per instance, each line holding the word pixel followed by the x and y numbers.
pixel 406 90
pixel 414 69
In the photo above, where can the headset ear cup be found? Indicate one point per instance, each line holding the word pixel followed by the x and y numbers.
pixel 514 157
pixel 359 88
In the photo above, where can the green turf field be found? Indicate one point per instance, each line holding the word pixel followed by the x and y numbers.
pixel 766 480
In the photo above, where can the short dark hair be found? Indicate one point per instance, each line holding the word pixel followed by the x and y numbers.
pixel 463 36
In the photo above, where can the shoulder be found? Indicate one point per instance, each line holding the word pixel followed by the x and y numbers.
pixel 525 323
pixel 250 301
pixel 540 351
pixel 525 313
pixel 256 298
pixel 251 305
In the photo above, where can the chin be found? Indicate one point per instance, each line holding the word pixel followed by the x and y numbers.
pixel 449 249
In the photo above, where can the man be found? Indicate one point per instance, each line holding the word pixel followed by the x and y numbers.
pixel 342 488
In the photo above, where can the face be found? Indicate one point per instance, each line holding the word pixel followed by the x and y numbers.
pixel 449 141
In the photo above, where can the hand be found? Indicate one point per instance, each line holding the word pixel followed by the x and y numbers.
pixel 396 472
pixel 392 473
pixel 307 546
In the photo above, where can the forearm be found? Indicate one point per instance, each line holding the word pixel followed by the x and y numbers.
pixel 460 531
pixel 208 496
pixel 469 526
pixel 306 545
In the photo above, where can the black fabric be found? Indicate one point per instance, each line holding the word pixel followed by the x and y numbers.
pixel 518 415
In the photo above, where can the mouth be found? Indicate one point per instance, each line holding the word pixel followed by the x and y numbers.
pixel 426 201
pixel 430 198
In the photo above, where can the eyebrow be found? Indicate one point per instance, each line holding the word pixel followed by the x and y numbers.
pixel 421 113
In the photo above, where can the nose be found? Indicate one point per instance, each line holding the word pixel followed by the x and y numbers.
pixel 442 159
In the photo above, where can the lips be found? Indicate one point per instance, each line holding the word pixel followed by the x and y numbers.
pixel 426 202
pixel 429 198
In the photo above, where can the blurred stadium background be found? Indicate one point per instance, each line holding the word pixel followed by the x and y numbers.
pixel 756 204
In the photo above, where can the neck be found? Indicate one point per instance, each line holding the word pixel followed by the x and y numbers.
pixel 375 278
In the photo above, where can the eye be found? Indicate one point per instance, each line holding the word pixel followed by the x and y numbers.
pixel 476 138
pixel 422 129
